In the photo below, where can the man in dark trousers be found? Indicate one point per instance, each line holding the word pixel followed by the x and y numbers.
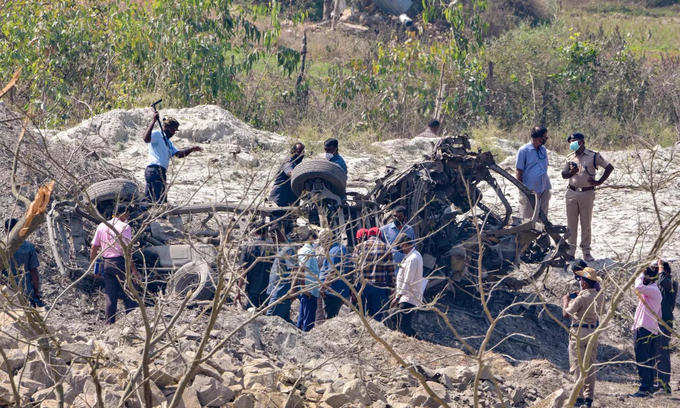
pixel 161 150
pixel 255 266
pixel 282 193
pixel 669 290
pixel 24 268
pixel 646 329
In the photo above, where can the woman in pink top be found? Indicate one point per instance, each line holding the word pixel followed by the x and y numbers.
pixel 646 329
pixel 107 244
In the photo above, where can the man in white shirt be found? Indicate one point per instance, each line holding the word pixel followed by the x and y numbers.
pixel 410 285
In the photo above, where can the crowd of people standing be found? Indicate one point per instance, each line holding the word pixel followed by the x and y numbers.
pixel 383 273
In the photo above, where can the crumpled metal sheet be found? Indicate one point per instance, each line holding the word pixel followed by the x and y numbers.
pixel 395 7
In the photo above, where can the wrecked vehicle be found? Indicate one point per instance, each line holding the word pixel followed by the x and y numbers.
pixel 446 207
pixel 446 197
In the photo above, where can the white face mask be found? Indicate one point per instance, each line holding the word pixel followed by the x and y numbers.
pixel 329 156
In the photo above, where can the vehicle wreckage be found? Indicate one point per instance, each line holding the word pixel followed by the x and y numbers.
pixel 442 195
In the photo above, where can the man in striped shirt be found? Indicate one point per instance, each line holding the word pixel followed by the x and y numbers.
pixel 374 269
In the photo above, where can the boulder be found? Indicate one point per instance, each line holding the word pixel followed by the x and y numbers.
pixel 37 371
pixel 335 399
pixel 355 391
pixel 211 392
pixel 265 377
pixel 190 398
pixel 71 351
pixel 15 359
pixel 422 399
pixel 245 401
pixel 554 400
pixel 88 397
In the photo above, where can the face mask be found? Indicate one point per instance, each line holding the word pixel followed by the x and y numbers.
pixel 573 146
pixel 329 156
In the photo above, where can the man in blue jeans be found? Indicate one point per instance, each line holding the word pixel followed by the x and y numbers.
pixel 24 268
pixel 335 265
pixel 374 271
pixel 161 150
pixel 280 278
pixel 307 284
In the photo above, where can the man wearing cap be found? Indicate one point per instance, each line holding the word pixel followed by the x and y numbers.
pixel 646 329
pixel 161 150
pixel 432 130
pixel 580 193
pixel 532 170
pixel 330 146
pixel 669 292
pixel 391 231
pixel 584 309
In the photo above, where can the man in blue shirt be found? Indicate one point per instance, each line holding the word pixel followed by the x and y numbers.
pixel 24 268
pixel 532 170
pixel 391 231
pixel 161 150
pixel 336 263
pixel 330 146
pixel 307 283
pixel 280 279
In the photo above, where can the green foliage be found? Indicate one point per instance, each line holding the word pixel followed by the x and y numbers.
pixel 580 67
pixel 78 54
pixel 402 79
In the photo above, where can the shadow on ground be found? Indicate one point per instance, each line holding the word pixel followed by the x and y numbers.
pixel 528 333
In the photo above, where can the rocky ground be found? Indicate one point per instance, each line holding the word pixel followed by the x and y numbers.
pixel 269 363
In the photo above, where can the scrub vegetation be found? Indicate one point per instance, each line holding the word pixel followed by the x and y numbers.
pixel 609 69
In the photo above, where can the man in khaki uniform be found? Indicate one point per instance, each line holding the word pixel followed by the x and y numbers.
pixel 581 191
pixel 583 308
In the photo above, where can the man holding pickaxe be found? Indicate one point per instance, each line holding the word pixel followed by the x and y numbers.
pixel 161 150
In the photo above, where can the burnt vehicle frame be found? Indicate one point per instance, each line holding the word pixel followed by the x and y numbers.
pixel 441 194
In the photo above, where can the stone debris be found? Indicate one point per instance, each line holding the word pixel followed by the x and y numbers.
pixel 245 377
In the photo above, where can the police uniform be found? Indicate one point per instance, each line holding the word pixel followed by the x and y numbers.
pixel 580 196
pixel 584 310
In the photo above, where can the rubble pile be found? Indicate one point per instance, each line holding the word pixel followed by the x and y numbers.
pixel 267 363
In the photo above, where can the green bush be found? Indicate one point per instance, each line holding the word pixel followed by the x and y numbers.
pixel 82 57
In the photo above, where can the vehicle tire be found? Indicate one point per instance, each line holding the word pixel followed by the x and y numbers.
pixel 120 189
pixel 328 171
pixel 194 280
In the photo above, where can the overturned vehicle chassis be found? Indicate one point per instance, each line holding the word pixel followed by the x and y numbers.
pixel 451 217
pixel 442 196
